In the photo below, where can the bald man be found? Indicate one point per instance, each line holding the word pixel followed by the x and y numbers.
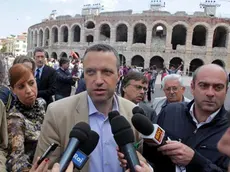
pixel 193 129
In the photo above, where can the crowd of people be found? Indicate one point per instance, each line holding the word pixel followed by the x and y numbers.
pixel 37 109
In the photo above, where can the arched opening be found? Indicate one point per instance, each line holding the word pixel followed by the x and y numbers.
pixel 219 62
pixel 76 32
pixel 64 33
pixel 194 64
pixel 220 37
pixel 47 37
pixel 159 33
pixel 47 54
pixel 122 59
pixel 63 54
pixel 40 38
pixel 89 38
pixel 54 55
pixel 104 32
pixel 138 61
pixel 122 33
pixel 199 36
pixel 32 39
pixel 157 61
pixel 55 35
pixel 176 62
pixel 36 39
pixel 178 36
pixel 139 34
pixel 90 25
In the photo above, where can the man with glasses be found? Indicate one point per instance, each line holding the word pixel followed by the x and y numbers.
pixel 134 87
pixel 173 88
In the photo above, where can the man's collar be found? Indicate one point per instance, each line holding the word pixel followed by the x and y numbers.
pixel 208 120
pixel 166 102
pixel 93 109
pixel 40 68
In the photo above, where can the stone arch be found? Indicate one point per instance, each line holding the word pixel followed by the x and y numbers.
pixel 122 33
pixel 122 59
pixel 158 61
pixel 138 61
pixel 64 33
pixel 46 54
pixel 176 62
pixel 89 38
pixel 139 33
pixel 105 32
pixel 63 54
pixel 54 34
pixel 32 38
pixel 41 37
pixel 194 64
pixel 47 36
pixel 54 55
pixel 159 33
pixel 200 34
pixel 76 33
pixel 179 34
pixel 219 62
pixel 90 24
pixel 36 38
pixel 220 36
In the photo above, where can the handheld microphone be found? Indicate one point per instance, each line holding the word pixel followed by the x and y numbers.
pixel 147 129
pixel 139 110
pixel 124 137
pixel 113 114
pixel 81 156
pixel 79 134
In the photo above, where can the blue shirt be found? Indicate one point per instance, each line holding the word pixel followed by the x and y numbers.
pixel 40 71
pixel 104 157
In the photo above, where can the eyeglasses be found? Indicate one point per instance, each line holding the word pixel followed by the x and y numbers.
pixel 174 89
pixel 139 87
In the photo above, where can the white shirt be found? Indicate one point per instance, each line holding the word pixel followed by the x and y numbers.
pixel 198 125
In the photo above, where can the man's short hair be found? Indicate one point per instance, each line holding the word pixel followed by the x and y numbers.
pixel 63 60
pixel 132 75
pixel 39 49
pixel 104 48
pixel 172 77
pixel 198 69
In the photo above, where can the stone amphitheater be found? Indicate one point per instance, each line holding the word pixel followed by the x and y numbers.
pixel 142 39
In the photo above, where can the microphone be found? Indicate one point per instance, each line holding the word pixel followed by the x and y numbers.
pixel 147 129
pixel 124 137
pixel 81 156
pixel 139 110
pixel 79 134
pixel 113 114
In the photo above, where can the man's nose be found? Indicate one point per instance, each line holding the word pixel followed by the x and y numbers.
pixel 99 79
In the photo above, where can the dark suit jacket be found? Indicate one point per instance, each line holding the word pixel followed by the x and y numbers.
pixel 47 84
pixel 150 113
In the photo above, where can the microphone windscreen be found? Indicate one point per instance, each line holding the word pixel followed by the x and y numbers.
pixel 91 143
pixel 138 109
pixel 80 131
pixel 142 124
pixel 113 114
pixel 122 131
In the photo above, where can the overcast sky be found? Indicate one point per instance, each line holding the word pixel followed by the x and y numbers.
pixel 17 15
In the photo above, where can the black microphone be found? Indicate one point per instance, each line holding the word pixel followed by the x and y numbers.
pixel 79 134
pixel 81 156
pixel 113 114
pixel 148 130
pixel 124 137
pixel 139 110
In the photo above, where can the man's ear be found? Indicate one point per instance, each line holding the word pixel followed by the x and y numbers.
pixel 192 85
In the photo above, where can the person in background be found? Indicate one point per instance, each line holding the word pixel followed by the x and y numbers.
pixel 65 80
pixel 3 136
pixel 173 87
pixel 24 119
pixel 45 76
pixel 81 87
pixel 134 87
pixel 25 60
pixel 173 69
pixel 153 77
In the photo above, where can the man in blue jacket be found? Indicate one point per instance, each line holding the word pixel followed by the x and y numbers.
pixel 193 129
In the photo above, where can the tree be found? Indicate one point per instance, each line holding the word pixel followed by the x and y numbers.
pixel 3 50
